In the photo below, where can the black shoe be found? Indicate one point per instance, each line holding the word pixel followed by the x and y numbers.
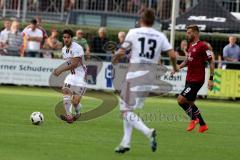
pixel 67 118
pixel 76 116
pixel 153 140
pixel 121 149
pixel 63 117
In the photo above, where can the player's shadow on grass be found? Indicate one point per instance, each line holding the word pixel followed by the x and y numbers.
pixel 109 102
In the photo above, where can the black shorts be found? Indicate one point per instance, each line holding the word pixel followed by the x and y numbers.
pixel 190 91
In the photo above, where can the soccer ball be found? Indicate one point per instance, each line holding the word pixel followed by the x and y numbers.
pixel 37 118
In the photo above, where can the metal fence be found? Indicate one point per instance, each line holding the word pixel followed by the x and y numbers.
pixel 57 10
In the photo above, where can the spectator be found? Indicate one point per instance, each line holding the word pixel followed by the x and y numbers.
pixel 39 26
pixel 14 40
pixel 142 8
pixel 133 6
pixel 33 37
pixel 164 9
pixel 51 44
pixel 231 53
pixel 182 50
pixel 121 38
pixel 70 4
pixel 83 42
pixel 4 33
pixel 99 41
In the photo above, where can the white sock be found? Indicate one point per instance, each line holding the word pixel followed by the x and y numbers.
pixel 67 104
pixel 137 123
pixel 127 128
pixel 78 108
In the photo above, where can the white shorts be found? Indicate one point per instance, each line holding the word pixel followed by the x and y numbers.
pixel 133 93
pixel 76 84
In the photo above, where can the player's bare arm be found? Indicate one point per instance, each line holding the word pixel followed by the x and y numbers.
pixel 211 65
pixel 118 55
pixel 173 59
pixel 183 64
pixel 70 65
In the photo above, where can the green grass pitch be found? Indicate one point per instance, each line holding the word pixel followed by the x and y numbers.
pixel 96 139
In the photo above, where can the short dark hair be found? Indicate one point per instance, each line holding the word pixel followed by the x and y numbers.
pixel 68 31
pixel 34 21
pixel 148 17
pixel 194 27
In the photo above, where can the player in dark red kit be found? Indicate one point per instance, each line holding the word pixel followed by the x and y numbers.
pixel 198 54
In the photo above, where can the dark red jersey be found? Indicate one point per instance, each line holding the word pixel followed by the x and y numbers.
pixel 198 53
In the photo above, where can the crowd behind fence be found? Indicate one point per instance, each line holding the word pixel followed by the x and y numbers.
pixel 57 10
pixel 33 41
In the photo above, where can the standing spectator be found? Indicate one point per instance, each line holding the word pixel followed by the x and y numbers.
pixel 33 36
pixel 99 41
pixel 39 26
pixel 143 7
pixel 14 40
pixel 4 33
pixel 51 44
pixel 83 42
pixel 231 53
pixel 70 4
pixel 164 9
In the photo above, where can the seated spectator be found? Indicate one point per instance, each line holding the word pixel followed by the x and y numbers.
pixel 83 42
pixel 4 35
pixel 14 40
pixel 231 53
pixel 51 44
pixel 33 37
pixel 99 41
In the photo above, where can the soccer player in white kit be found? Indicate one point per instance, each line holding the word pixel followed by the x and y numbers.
pixel 75 83
pixel 146 45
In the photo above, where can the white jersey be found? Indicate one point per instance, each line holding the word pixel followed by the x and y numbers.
pixel 147 45
pixel 77 76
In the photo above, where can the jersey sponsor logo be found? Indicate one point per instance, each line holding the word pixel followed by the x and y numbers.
pixel 189 58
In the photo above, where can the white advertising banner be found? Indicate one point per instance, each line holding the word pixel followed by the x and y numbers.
pixel 26 71
pixel 37 71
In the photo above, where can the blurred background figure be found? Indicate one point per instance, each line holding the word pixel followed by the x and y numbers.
pixel 121 38
pixel 231 53
pixel 181 51
pixel 4 34
pixel 14 40
pixel 83 42
pixel 33 37
pixel 99 41
pixel 52 43
pixel 39 26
